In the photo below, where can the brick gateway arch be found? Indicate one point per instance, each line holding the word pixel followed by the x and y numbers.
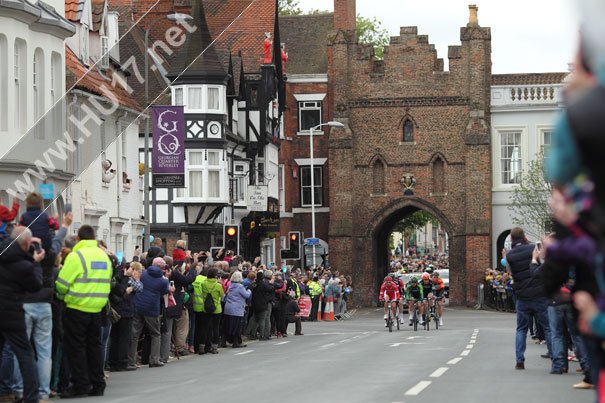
pixel 406 117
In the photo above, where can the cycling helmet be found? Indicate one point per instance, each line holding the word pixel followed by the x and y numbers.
pixel 426 276
pixel 414 279
pixel 435 274
pixel 388 278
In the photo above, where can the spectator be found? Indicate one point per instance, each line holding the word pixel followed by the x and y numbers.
pixel 40 224
pixel 529 291
pixel 39 316
pixel 178 254
pixel 291 310
pixel 262 297
pixel 211 294
pixel 121 331
pixel 84 284
pixel 148 310
pixel 173 313
pixel 235 307
pixel 19 273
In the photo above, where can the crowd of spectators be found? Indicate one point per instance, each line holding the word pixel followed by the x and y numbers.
pixel 413 262
pixel 157 307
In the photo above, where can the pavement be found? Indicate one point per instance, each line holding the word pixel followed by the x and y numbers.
pixel 470 359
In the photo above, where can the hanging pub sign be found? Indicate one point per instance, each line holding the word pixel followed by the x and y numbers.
pixel 168 152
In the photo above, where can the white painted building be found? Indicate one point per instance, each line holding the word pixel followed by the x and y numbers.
pixel 108 194
pixel 32 71
pixel 524 108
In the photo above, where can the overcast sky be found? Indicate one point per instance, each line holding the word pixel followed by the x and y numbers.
pixel 528 36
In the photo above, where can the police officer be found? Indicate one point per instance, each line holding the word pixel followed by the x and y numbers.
pixel 84 283
pixel 315 292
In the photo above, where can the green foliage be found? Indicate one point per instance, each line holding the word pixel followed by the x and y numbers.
pixel 414 221
pixel 371 32
pixel 289 7
pixel 529 200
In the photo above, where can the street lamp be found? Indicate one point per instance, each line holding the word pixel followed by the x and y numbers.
pixel 331 124
pixel 175 17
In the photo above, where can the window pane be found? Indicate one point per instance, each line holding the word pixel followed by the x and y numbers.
pixel 214 184
pixel 317 178
pixel 213 158
pixel 510 157
pixel 213 98
pixel 306 196
pixel 195 98
pixel 305 178
pixel 178 96
pixel 195 183
pixel 408 131
pixel 318 196
pixel 196 159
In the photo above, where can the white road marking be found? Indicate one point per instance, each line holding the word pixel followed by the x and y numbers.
pixel 414 337
pixel 469 346
pixel 454 361
pixel 473 341
pixel 420 386
pixel 244 352
pixel 328 345
pixel 281 342
pixel 439 372
pixel 476 330
pixel 465 353
pixel 403 343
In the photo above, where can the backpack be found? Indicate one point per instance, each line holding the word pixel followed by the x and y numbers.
pixel 209 306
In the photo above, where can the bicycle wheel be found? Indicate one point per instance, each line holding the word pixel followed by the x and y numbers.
pixel 397 321
pixel 427 316
pixel 390 320
pixel 415 319
pixel 436 316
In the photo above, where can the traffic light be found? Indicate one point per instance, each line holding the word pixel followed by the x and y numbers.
pixel 231 238
pixel 294 244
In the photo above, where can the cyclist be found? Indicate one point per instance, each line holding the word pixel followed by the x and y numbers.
pixel 439 288
pixel 415 294
pixel 389 292
pixel 427 288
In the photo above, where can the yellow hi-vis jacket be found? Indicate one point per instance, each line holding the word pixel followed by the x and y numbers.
pixel 198 302
pixel 314 289
pixel 84 281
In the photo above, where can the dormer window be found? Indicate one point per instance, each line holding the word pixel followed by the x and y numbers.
pixel 84 38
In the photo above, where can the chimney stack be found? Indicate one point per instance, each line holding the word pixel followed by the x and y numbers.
pixel 345 16
pixel 473 21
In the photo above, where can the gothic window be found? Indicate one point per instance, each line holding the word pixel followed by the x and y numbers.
pixel 438 176
pixel 378 177
pixel 408 131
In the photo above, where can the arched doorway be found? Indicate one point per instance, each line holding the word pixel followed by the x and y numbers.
pixel 501 243
pixel 381 227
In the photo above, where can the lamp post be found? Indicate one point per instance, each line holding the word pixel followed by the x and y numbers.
pixel 175 18
pixel 331 124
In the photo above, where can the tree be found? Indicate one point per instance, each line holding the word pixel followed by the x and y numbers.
pixel 371 32
pixel 413 222
pixel 289 7
pixel 529 201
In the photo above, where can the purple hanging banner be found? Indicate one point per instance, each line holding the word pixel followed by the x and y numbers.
pixel 168 151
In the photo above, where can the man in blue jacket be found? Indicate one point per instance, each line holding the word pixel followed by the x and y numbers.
pixel 528 289
pixel 148 310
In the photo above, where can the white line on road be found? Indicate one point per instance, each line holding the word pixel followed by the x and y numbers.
pixel 414 337
pixel 473 341
pixel 465 353
pixel 244 352
pixel 469 346
pixel 420 386
pixel 454 361
pixel 439 372
pixel 281 342
pixel 328 345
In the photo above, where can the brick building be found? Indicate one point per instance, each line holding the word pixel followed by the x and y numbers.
pixel 405 118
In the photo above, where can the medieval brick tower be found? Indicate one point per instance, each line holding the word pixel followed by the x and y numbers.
pixel 405 117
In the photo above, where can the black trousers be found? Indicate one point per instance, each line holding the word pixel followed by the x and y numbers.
pixel 83 349
pixel 235 325
pixel 210 329
pixel 314 308
pixel 24 352
pixel 120 339
pixel 293 319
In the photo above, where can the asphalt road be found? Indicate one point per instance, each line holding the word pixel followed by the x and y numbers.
pixel 471 359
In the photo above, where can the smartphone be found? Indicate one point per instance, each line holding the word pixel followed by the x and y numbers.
pixel 67 208
pixel 172 284
pixel 539 245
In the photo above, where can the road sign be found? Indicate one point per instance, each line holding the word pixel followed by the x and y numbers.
pixel 312 241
